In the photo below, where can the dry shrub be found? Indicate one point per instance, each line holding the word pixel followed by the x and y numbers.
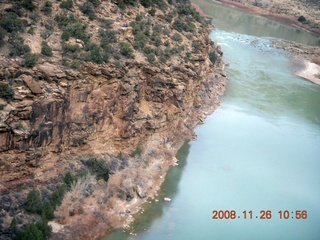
pixel 73 199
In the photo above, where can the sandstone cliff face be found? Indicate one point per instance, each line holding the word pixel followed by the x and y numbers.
pixel 104 106
pixel 59 114
pixel 101 106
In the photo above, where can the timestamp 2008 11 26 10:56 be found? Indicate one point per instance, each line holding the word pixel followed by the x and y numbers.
pixel 262 214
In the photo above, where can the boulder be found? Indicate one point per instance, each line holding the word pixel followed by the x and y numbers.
pixel 32 85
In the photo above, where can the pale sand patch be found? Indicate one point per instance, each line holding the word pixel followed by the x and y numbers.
pixel 56 227
pixel 311 72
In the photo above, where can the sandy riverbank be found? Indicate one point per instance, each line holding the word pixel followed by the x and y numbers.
pixel 310 72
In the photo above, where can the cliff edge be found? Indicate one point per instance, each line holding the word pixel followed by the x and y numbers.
pixel 96 97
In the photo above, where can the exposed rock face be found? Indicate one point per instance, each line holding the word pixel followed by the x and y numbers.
pixel 121 105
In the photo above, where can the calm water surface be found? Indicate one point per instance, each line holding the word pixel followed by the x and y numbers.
pixel 259 151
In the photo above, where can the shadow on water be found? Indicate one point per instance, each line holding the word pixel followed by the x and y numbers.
pixel 154 210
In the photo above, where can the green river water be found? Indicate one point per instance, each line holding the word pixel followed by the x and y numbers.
pixel 259 151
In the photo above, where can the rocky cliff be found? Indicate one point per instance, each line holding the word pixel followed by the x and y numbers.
pixel 124 82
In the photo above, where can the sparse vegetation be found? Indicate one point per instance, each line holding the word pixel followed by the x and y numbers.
pixel 6 92
pixel 151 57
pixel 98 167
pixel 126 50
pixel 88 9
pixel 28 4
pixel 138 151
pixel 47 8
pixel 34 203
pixel 36 231
pixel 213 57
pixel 19 126
pixel 302 19
pixel 30 60
pixel 181 25
pixel 46 49
pixel 67 4
pixel 196 45
pixel 11 22
pixel 176 37
pixel 2 35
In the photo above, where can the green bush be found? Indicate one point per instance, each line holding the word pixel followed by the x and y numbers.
pixel 67 4
pixel 181 25
pixel 65 36
pixel 213 57
pixel 11 23
pixel 189 11
pixel 46 49
pixel 168 17
pixel 176 37
pixel 30 60
pixel 148 50
pixel 302 19
pixel 46 33
pixel 44 228
pixel 34 203
pixel 140 40
pixel 31 30
pixel 98 167
pixel 2 36
pixel 145 3
pixel 152 12
pixel 157 29
pixel 13 224
pixel 95 3
pixel 138 151
pixel 95 55
pixel 88 9
pixel 126 50
pixel 64 20
pixel 57 196
pixel 47 211
pixel 31 233
pixel 140 26
pixel 196 45
pixel 47 8
pixel 19 126
pixel 35 17
pixel 105 23
pixel 71 50
pixel 151 57
pixel 28 4
pixel 157 40
pixel 163 58
pixel 78 30
pixel 121 4
pixel 68 179
pixel 36 231
pixel 109 36
pixel 6 92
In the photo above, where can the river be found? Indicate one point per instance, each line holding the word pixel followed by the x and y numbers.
pixel 257 154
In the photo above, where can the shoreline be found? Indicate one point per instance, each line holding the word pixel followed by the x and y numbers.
pixel 311 72
pixel 284 18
